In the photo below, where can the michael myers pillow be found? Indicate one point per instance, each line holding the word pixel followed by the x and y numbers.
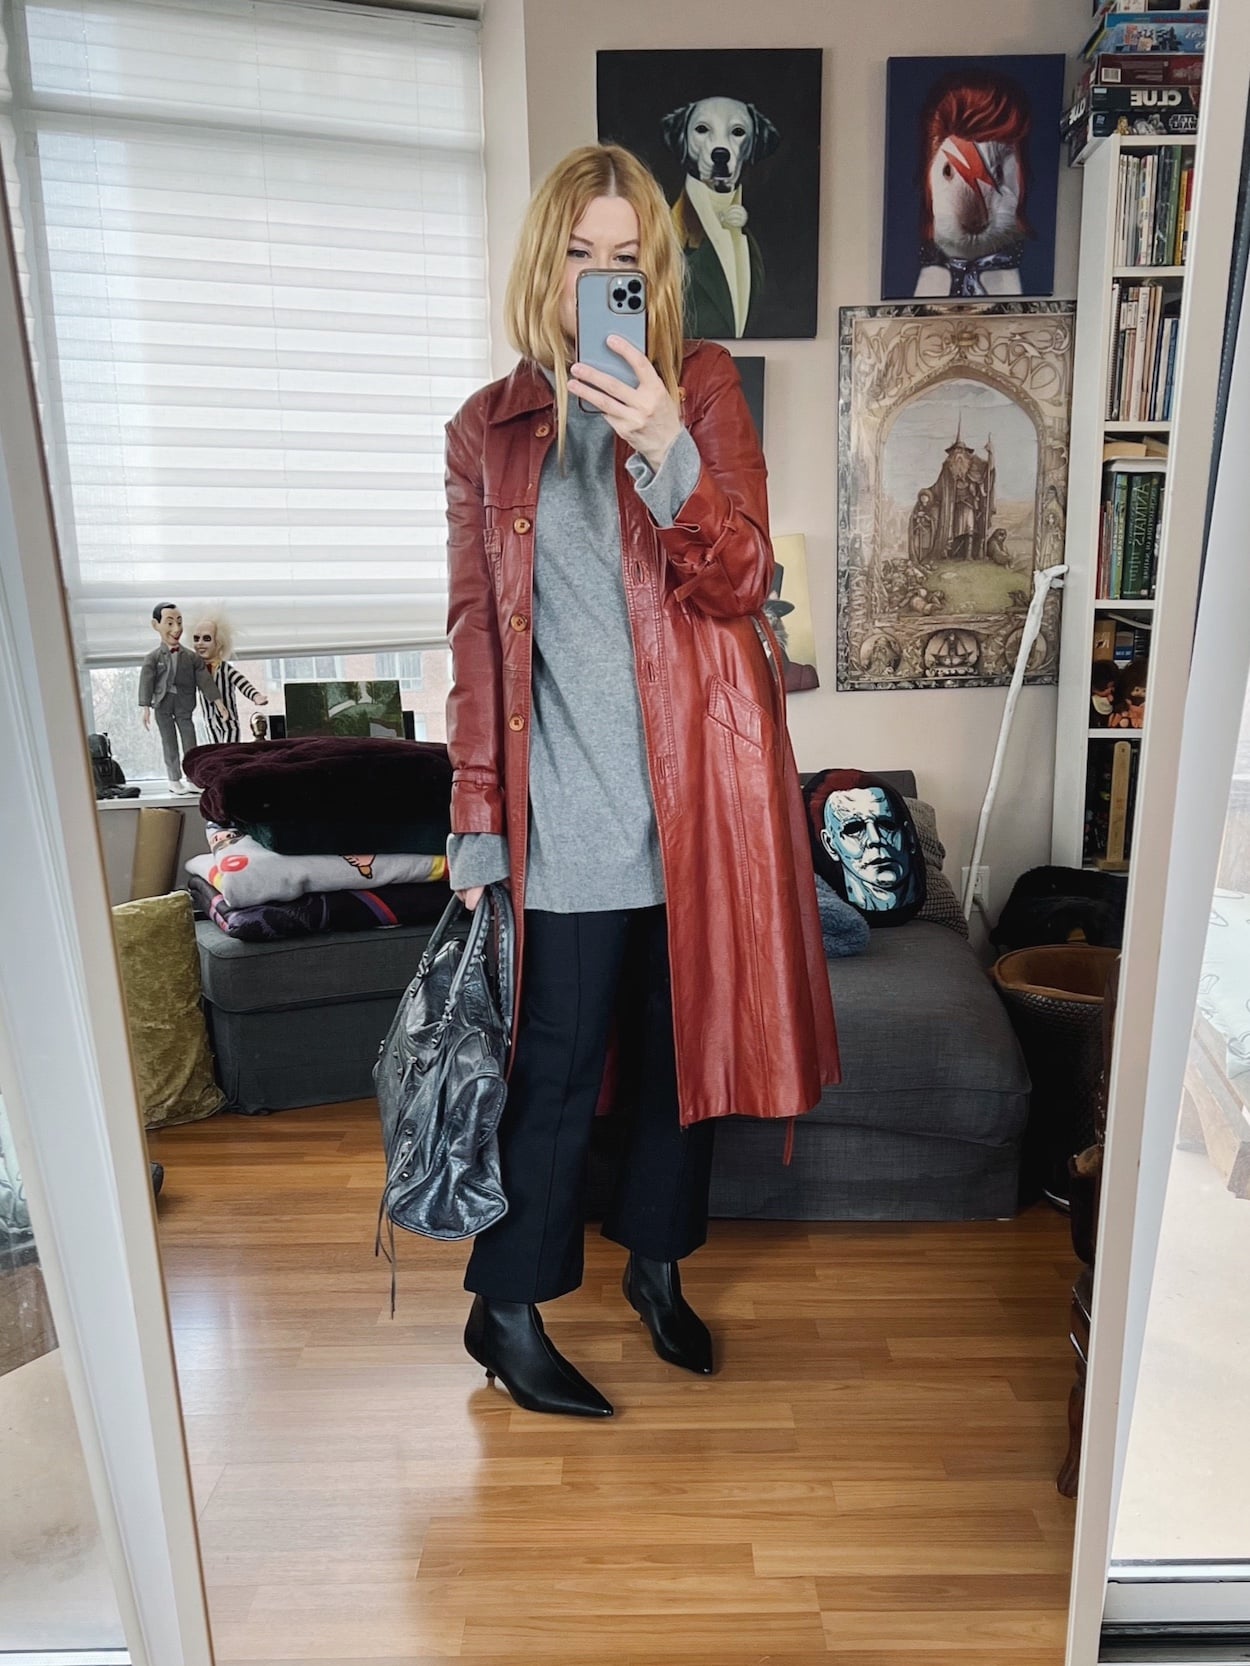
pixel 865 844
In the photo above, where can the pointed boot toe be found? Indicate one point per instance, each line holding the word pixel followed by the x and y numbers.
pixel 679 1336
pixel 508 1341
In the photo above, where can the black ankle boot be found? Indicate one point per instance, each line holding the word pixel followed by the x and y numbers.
pixel 653 1290
pixel 508 1341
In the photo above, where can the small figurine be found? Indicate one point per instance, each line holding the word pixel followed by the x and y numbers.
pixel 1130 697
pixel 213 641
pixel 1102 680
pixel 168 680
pixel 260 726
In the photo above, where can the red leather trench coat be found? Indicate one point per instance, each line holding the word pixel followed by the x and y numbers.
pixel 752 1013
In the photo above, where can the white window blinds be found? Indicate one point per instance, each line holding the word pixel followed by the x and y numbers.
pixel 255 242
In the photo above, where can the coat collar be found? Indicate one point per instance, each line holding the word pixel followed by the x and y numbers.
pixel 523 389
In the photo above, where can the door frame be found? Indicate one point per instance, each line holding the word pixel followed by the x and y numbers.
pixel 66 1068
pixel 1175 855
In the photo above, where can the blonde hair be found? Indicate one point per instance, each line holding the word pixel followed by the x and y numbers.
pixel 216 616
pixel 532 301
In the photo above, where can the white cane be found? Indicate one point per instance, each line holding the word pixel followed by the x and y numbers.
pixel 1043 582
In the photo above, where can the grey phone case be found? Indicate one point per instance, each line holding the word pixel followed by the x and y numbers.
pixel 603 309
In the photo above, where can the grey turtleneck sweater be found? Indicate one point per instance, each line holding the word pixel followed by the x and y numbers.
pixel 592 834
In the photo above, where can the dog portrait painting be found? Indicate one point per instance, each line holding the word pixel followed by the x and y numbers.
pixel 734 139
pixel 971 176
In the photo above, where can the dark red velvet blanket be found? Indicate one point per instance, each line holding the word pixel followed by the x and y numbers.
pixel 323 778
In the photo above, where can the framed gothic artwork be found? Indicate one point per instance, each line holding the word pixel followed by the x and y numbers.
pixel 952 489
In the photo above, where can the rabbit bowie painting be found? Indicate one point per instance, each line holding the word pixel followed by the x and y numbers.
pixel 971 176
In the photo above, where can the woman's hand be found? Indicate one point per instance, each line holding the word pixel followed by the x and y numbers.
pixel 645 417
pixel 472 894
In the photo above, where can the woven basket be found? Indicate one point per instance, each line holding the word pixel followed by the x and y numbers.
pixel 1054 995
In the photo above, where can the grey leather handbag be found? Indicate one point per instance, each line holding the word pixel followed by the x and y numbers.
pixel 440 1078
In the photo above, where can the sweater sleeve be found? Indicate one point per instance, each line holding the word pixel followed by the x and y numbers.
pixel 476 859
pixel 665 489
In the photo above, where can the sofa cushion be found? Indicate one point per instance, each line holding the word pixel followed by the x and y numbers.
pixel 305 971
pixel 926 1045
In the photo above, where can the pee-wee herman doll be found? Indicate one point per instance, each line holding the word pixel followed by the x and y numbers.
pixel 169 679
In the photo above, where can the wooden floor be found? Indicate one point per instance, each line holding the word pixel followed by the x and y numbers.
pixel 868 1480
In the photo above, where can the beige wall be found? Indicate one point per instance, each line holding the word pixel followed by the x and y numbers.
pixel 946 737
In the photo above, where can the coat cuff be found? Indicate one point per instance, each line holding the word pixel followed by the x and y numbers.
pixel 666 489
pixel 476 859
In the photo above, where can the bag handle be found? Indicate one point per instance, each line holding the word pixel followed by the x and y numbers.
pixel 503 951
pixel 494 910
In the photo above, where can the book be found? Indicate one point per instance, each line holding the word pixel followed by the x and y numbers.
pixel 1136 31
pixel 1132 495
pixel 1146 69
pixel 1138 534
pixel 1154 520
pixel 1104 638
pixel 1147 446
pixel 1119 527
pixel 1110 800
pixel 1116 852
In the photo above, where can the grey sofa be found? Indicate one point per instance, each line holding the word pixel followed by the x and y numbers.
pixel 928 1120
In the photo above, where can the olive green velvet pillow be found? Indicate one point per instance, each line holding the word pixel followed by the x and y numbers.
pixel 160 969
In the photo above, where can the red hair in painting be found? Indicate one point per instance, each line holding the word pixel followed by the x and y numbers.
pixel 972 107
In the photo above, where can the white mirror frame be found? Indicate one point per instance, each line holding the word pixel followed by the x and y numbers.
pixel 1174 858
pixel 66 1069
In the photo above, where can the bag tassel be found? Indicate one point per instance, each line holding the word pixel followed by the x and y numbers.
pixel 787 1151
pixel 388 1253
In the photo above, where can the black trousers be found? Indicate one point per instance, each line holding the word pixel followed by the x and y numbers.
pixel 579 970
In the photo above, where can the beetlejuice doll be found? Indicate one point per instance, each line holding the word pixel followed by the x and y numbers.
pixel 213 641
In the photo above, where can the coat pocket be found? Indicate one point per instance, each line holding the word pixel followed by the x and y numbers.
pixel 738 713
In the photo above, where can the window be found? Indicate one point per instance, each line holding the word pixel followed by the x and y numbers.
pixel 253 248
pixel 424 680
pixel 406 667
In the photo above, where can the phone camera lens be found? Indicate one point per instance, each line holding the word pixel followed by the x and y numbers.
pixel 635 301
pixel 635 286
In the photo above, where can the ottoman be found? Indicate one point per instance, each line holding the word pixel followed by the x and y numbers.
pixel 299 1021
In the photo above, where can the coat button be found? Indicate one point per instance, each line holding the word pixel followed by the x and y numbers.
pixel 516 721
pixel 520 524
pixel 519 621
pixel 543 429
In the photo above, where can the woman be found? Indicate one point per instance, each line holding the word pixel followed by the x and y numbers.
pixel 617 735
pixel 213 641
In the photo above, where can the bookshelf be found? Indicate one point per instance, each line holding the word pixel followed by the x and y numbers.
pixel 1098 554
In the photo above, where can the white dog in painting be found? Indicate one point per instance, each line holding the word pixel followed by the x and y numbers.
pixel 717 139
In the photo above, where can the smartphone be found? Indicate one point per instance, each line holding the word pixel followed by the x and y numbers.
pixel 610 303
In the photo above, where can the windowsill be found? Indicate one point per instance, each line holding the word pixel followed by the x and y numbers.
pixel 153 795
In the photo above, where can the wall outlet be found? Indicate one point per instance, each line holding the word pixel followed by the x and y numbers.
pixel 981 891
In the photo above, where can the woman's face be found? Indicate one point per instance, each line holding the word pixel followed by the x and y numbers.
pixel 604 237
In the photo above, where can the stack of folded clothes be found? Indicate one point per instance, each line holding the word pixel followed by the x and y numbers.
pixel 325 833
